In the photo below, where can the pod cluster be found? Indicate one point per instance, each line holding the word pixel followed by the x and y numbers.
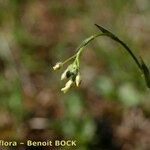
pixel 71 73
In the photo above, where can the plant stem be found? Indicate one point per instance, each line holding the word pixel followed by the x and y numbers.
pixel 115 38
pixel 141 65
pixel 70 58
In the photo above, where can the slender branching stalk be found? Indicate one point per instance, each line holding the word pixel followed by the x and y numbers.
pixel 73 70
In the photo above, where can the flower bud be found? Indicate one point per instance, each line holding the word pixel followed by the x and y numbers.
pixel 78 80
pixel 58 65
pixel 64 74
pixel 67 86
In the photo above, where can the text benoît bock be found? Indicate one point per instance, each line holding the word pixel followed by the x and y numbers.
pixel 56 143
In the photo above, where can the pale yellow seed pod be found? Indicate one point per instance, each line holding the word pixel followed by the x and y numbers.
pixel 69 83
pixel 67 86
pixel 64 75
pixel 78 80
pixel 58 65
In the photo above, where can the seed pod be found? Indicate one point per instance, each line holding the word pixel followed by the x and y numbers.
pixel 67 86
pixel 58 65
pixel 64 74
pixel 78 80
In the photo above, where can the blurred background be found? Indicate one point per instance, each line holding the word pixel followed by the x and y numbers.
pixel 111 109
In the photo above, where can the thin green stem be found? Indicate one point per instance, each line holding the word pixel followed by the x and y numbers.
pixel 115 38
pixel 69 59
pixel 88 40
pixel 81 47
